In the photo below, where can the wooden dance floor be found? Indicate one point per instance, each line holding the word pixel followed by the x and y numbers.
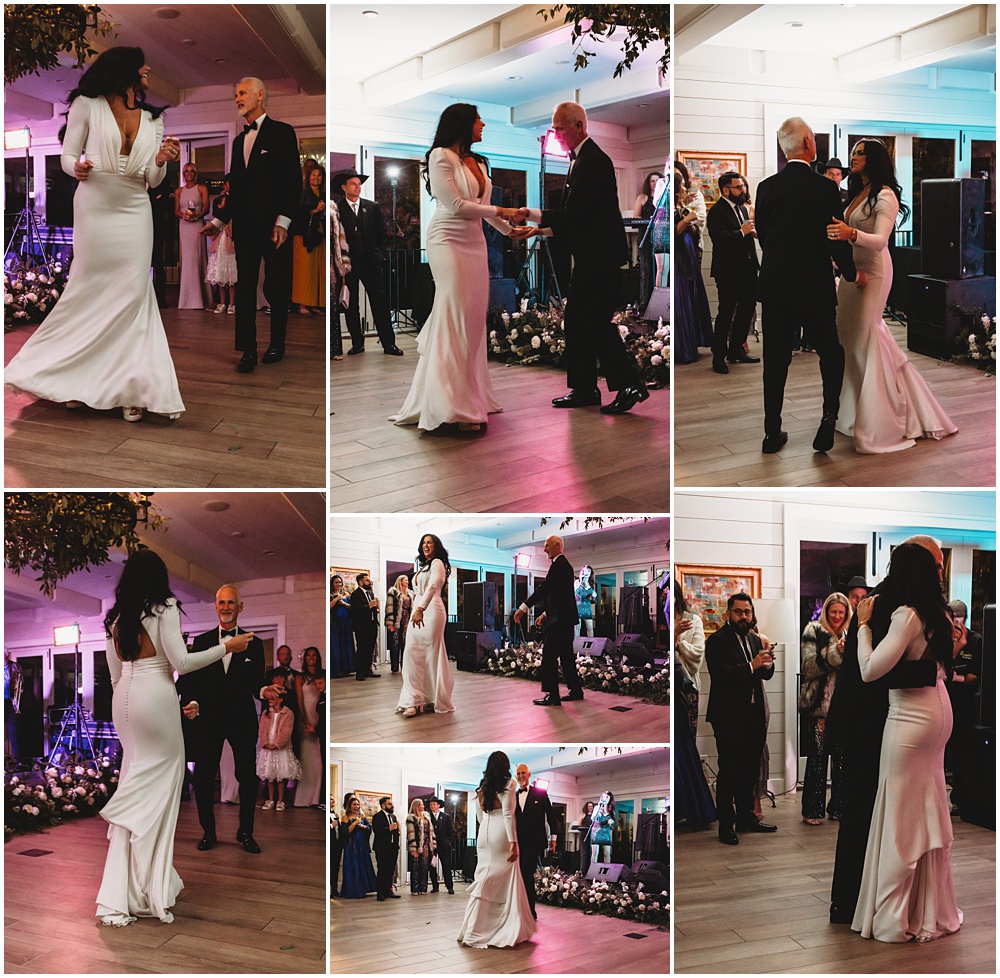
pixel 763 906
pixel 416 935
pixel 489 708
pixel 263 429
pixel 720 425
pixel 532 458
pixel 237 914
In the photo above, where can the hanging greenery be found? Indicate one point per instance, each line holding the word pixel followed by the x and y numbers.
pixel 36 33
pixel 642 23
pixel 58 533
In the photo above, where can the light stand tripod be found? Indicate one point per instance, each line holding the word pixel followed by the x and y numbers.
pixel 74 733
pixel 26 227
pixel 399 318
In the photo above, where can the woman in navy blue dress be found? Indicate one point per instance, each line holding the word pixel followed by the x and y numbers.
pixel 359 874
pixel 341 635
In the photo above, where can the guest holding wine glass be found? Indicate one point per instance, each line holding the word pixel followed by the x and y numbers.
pixel 190 206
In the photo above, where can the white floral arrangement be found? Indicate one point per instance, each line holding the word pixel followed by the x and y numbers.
pixel 29 294
pixel 978 341
pixel 627 901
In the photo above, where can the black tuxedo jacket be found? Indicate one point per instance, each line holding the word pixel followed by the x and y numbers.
pixel 385 841
pixel 365 233
pixel 793 210
pixel 363 618
pixel 734 253
pixel 444 828
pixel 729 705
pixel 226 700
pixel 589 221
pixel 532 834
pixel 556 594
pixel 270 185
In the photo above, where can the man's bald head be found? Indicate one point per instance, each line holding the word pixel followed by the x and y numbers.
pixel 569 123
pixel 553 546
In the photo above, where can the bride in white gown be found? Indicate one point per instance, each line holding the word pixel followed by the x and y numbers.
pixel 452 380
pixel 103 343
pixel 144 647
pixel 498 913
pixel 885 403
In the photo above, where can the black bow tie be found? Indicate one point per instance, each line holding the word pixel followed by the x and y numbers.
pixel 246 129
pixel 521 791
pixel 229 634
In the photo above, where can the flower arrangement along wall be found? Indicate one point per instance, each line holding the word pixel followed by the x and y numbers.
pixel 626 901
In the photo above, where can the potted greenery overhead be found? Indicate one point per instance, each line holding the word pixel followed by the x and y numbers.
pixel 36 33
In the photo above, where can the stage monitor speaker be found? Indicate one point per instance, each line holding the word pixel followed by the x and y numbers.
pixel 479 603
pixel 987 711
pixel 952 227
pixel 587 645
pixel 637 649
pixel 609 872
pixel 470 650
pixel 933 321
pixel 978 804
pixel 652 874
pixel 502 294
pixel 658 306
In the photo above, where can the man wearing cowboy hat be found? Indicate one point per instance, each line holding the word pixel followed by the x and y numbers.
pixel 364 228
pixel 833 170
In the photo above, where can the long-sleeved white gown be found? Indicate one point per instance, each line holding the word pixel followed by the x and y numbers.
pixel 139 875
pixel 103 343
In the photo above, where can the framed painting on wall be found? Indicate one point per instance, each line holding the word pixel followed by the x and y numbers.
pixel 704 169
pixel 369 800
pixel 349 575
pixel 706 590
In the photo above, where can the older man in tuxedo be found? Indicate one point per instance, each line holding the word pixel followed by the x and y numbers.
pixel 589 223
pixel 265 182
pixel 219 705
pixel 557 594
pixel 364 228
pixel 738 665
pixel 532 814
pixel 797 287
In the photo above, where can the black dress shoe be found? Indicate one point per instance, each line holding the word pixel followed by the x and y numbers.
pixel 374 675
pixel 207 842
pixel 394 896
pixel 774 443
pixel 247 362
pixel 578 398
pixel 452 892
pixel 743 358
pixel 548 700
pixel 355 350
pixel 273 355
pixel 823 441
pixel 719 366
pixel 838 916
pixel 250 845
pixel 380 899
pixel 626 399
pixel 393 351
pixel 574 694
pixel 436 888
pixel 758 826
pixel 360 679
pixel 728 837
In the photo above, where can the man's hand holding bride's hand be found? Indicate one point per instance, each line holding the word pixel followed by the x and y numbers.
pixel 524 232
pixel 512 215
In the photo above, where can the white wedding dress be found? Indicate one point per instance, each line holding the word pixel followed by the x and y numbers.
pixel 907 890
pixel 139 876
pixel 427 678
pixel 884 404
pixel 103 343
pixel 452 380
pixel 498 913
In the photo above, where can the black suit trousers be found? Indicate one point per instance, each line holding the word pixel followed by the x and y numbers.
pixel 336 854
pixel 591 337
pixel 741 746
pixel 369 274
pixel 528 863
pixel 385 858
pixel 209 753
pixel 558 649
pixel 443 869
pixel 737 302
pixel 782 322
pixel 364 654
pixel 251 247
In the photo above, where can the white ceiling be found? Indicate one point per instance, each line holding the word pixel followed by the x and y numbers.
pixel 258 535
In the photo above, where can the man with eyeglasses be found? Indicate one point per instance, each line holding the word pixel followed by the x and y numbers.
pixel 739 664
pixel 734 268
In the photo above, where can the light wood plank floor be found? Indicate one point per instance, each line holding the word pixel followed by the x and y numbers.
pixel 237 914
pixel 532 457
pixel 763 906
pixel 266 428
pixel 488 708
pixel 720 425
pixel 416 935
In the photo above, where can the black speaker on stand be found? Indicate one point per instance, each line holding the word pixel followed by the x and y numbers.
pixel 472 648
pixel 479 603
pixel 952 227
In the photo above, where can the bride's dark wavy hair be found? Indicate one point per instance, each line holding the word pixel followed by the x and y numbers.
pixel 454 126
pixel 495 777
pixel 439 554
pixel 880 173
pixel 913 580
pixel 115 72
pixel 143 588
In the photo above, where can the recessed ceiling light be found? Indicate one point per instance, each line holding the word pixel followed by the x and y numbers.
pixel 216 506
pixel 645 105
pixel 270 553
pixel 567 62
pixel 237 534
pixel 515 77
pixel 219 61
pixel 794 23
pixel 167 13
pixel 189 42
pixel 369 13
